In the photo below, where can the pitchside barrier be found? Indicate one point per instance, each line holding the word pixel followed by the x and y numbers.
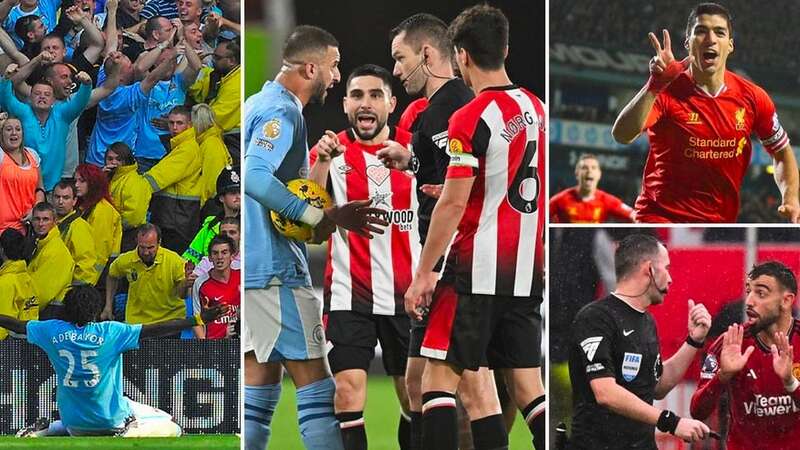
pixel 195 381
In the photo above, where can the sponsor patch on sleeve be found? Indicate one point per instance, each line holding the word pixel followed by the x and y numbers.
pixel 269 132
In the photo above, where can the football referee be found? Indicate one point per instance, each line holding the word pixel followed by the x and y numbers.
pixel 615 361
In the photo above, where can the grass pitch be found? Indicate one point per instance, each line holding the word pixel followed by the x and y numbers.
pixel 381 416
pixel 223 441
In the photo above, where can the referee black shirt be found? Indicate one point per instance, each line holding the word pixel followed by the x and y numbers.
pixel 612 339
pixel 429 144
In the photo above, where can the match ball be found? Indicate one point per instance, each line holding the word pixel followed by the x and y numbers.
pixel 313 194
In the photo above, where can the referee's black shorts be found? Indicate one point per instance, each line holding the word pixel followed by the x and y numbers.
pixel 471 330
pixel 354 336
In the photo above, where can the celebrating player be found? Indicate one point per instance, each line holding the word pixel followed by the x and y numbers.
pixel 486 306
pixel 283 324
pixel 86 355
pixel 699 118
pixel 615 358
pixel 761 382
pixel 585 203
pixel 365 279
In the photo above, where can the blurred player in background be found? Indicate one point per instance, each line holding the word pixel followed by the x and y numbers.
pixel 699 118
pixel 615 357
pixel 86 355
pixel 424 64
pixel 486 305
pixel 584 203
pixel 283 324
pixel 365 280
pixel 761 383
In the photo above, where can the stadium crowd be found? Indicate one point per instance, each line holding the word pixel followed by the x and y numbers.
pixel 120 138
pixel 624 23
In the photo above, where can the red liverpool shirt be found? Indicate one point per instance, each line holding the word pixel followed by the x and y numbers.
pixel 763 415
pixel 700 148
pixel 568 207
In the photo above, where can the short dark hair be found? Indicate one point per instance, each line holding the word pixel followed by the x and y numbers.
pixel 775 269
pixel 153 24
pixel 307 39
pixel 371 70
pixel 13 244
pixel 82 304
pixel 234 47
pixel 632 250
pixel 221 239
pixel 49 69
pixel 123 151
pixel 24 25
pixel 714 9
pixel 44 82
pixel 235 220
pixel 44 206
pixel 148 227
pixel 586 156
pixel 482 31
pixel 66 184
pixel 182 110
pixel 424 27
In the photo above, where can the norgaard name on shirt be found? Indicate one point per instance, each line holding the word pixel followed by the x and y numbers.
pixel 74 336
pixel 771 406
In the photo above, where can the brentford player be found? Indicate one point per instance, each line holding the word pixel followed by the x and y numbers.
pixel 412 111
pixel 486 306
pixel 585 203
pixel 761 383
pixel 365 279
pixel 699 118
pixel 219 286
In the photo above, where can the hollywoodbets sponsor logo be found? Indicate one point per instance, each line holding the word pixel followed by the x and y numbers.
pixel 765 406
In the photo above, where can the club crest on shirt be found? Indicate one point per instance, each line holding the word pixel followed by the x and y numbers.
pixel 631 362
pixel 796 370
pixel 740 119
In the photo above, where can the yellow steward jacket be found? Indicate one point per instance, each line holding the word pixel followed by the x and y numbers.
pixel 215 158
pixel 107 228
pixel 51 268
pixel 227 103
pixel 78 236
pixel 177 175
pixel 17 294
pixel 131 194
pixel 151 290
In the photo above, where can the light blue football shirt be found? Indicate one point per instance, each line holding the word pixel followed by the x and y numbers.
pixel 88 365
pixel 276 152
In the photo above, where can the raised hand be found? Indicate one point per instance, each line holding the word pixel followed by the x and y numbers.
pixel 394 156
pixel 329 146
pixel 663 67
pixel 731 359
pixel 782 358
pixel 699 321
pixel 790 212
pixel 83 78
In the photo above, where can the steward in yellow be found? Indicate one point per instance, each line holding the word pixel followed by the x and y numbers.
pixel 51 266
pixel 156 278
pixel 220 87
pixel 17 293
pixel 76 233
pixel 176 184
pixel 129 190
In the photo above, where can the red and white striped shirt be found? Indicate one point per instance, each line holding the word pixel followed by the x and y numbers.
pixel 499 138
pixel 371 275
